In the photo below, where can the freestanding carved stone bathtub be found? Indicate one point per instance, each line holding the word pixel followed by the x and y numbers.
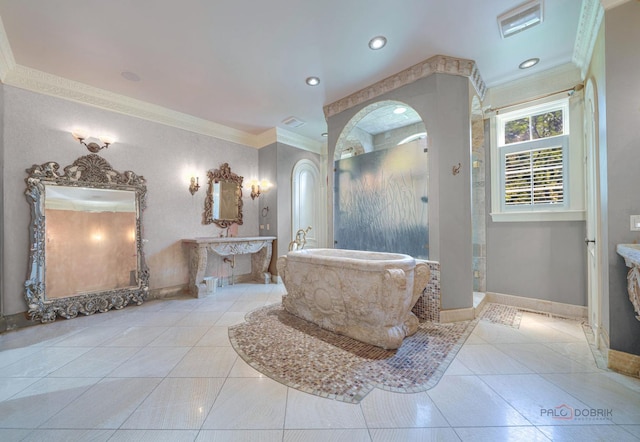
pixel 367 296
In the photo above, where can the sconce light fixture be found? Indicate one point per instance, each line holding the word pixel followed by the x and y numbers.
pixel 258 188
pixel 195 185
pixel 93 147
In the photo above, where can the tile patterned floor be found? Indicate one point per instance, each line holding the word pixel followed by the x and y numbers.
pixel 166 371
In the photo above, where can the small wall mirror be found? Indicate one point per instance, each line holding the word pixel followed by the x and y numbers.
pixel 86 247
pixel 223 204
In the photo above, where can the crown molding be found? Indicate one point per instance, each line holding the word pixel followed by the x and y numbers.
pixel 44 83
pixel 608 4
pixel 37 81
pixel 48 84
pixel 7 62
pixel 441 64
pixel 301 142
pixel 591 16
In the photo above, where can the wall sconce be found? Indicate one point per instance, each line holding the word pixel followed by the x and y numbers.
pixel 92 147
pixel 195 185
pixel 258 188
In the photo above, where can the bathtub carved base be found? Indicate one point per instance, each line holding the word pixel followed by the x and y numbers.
pixel 367 296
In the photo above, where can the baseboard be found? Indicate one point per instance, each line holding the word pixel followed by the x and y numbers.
pixel 168 292
pixel 624 363
pixel 481 299
pixel 15 321
pixel 456 315
pixel 539 305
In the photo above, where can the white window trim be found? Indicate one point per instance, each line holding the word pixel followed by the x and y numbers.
pixel 574 207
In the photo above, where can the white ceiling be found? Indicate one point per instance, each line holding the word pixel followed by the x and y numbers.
pixel 243 63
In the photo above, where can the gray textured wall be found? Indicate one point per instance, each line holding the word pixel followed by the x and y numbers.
pixel 622 50
pixel 37 129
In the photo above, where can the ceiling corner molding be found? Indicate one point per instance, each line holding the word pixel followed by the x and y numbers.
pixel 591 17
pixel 48 84
pixel 438 64
pixel 7 62
pixel 299 141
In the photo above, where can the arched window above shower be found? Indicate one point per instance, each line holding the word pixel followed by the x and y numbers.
pixel 381 125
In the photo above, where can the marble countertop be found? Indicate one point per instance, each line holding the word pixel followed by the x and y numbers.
pixel 216 239
pixel 630 253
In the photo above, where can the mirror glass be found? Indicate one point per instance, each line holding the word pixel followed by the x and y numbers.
pixel 223 204
pixel 381 179
pixel 101 223
pixel 86 252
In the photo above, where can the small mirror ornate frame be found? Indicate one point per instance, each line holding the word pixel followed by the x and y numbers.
pixel 86 251
pixel 223 204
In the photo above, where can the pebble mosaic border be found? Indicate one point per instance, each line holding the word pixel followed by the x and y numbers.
pixel 502 314
pixel 308 358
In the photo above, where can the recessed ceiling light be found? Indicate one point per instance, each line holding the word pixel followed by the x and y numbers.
pixel 378 42
pixel 520 18
pixel 399 110
pixel 324 134
pixel 312 81
pixel 529 63
pixel 131 76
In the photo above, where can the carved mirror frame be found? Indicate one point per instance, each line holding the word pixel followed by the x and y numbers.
pixel 88 171
pixel 223 174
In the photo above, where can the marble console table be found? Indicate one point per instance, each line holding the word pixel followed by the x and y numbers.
pixel 631 255
pixel 259 247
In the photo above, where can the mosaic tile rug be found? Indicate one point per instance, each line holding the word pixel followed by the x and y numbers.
pixel 303 356
pixel 501 314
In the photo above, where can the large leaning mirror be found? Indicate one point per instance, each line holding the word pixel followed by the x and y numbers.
pixel 223 204
pixel 86 251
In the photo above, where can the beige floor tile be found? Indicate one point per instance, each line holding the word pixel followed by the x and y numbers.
pixel 588 433
pixel 179 337
pixel 38 402
pixel 215 337
pixel 496 434
pixel 240 436
pixel 49 435
pixel 468 401
pixel 207 362
pixel 487 359
pixel 384 409
pixel 154 436
pixel 241 369
pixel 308 411
pixel 537 399
pixel 96 363
pixel 105 405
pixel 150 362
pixel 343 435
pixel 176 404
pixel 542 359
pixel 413 434
pixel 248 403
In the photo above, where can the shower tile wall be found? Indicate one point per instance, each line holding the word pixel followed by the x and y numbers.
pixel 381 201
pixel 478 202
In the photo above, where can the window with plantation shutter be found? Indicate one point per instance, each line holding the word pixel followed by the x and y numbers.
pixel 533 149
pixel 534 177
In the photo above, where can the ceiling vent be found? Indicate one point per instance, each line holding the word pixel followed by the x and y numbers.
pixel 293 122
pixel 521 18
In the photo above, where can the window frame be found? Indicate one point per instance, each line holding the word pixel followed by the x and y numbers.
pixel 572 207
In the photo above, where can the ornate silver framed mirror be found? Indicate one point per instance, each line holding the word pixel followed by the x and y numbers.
pixel 86 251
pixel 223 204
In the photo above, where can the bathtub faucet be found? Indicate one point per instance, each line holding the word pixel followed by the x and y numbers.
pixel 300 240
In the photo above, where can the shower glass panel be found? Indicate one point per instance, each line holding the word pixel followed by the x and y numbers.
pixel 381 201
